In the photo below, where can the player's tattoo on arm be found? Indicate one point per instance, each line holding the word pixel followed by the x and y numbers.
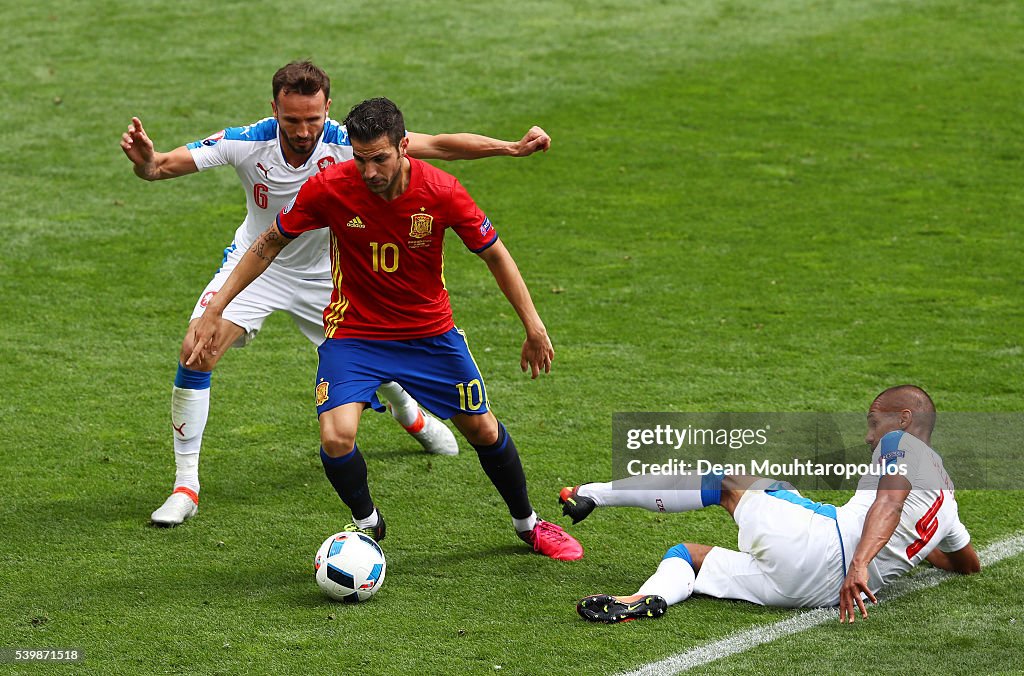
pixel 268 245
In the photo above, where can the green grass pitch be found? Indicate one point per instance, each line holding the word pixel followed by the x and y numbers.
pixel 749 205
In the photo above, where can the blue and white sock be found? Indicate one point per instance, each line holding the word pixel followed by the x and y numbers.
pixel 190 408
pixel 673 581
pixel 688 492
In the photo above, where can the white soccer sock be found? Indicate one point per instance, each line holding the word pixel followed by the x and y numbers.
pixel 186 471
pixel 525 525
pixel 189 412
pixel 403 407
pixel 370 521
pixel 673 581
pixel 648 492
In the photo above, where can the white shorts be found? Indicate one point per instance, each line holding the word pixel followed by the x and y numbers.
pixel 276 289
pixel 790 556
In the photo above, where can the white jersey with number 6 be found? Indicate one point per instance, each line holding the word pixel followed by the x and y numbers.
pixel 929 519
pixel 270 183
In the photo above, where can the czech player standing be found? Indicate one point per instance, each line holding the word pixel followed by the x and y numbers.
pixel 389 317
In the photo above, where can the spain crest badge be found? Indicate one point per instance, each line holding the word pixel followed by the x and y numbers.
pixel 321 392
pixel 422 224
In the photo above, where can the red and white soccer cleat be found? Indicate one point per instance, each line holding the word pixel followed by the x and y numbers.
pixel 181 506
pixel 433 435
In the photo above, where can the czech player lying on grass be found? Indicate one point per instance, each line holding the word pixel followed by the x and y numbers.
pixel 795 552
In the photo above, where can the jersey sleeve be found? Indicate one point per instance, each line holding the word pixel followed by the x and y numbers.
pixel 893 453
pixel 211 152
pixel 302 214
pixel 469 223
pixel 957 538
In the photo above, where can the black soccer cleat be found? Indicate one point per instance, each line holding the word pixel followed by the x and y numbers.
pixel 578 507
pixel 376 532
pixel 608 609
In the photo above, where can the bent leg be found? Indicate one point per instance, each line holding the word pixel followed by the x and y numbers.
pixel 674 578
pixel 499 458
pixel 728 574
pixel 190 409
pixel 343 464
pixel 500 461
pixel 479 430
pixel 404 408
pixel 433 435
pixel 338 428
pixel 190 401
pixel 670 584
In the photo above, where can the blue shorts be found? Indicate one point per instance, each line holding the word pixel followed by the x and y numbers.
pixel 439 372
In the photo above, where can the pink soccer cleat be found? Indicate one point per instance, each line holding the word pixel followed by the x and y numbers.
pixel 550 540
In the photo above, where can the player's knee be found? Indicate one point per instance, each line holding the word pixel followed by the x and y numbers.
pixel 206 362
pixel 337 442
pixel 690 552
pixel 679 552
pixel 479 430
pixel 187 346
pixel 338 427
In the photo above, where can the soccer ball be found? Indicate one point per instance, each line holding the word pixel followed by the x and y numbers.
pixel 350 567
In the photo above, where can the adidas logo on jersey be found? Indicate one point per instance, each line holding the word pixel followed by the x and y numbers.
pixel 356 223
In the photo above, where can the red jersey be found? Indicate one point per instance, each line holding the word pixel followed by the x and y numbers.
pixel 387 258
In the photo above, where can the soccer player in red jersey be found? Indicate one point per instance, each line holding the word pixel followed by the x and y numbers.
pixel 389 317
pixel 273 157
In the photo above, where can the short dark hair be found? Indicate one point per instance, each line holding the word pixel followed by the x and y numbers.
pixel 910 397
pixel 301 77
pixel 374 118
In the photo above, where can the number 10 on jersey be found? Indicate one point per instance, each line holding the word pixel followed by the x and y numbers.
pixel 471 395
pixel 385 256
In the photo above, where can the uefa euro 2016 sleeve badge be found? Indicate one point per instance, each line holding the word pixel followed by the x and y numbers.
pixel 321 392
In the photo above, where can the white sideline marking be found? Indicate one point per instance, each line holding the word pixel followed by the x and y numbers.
pixel 745 640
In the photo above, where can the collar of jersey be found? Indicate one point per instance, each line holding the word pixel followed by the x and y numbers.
pixel 280 149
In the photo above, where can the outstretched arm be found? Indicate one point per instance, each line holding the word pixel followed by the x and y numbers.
pixel 149 164
pixel 879 525
pixel 257 259
pixel 474 146
pixel 537 351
